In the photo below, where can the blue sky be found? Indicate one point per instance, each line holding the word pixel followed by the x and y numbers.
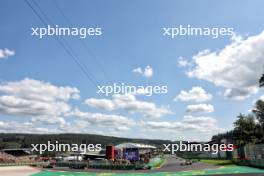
pixel 132 37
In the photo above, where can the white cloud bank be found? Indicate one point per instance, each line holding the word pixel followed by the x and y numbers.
pixel 129 103
pixel 147 72
pixel 196 94
pixel 41 101
pixel 237 67
pixel 188 123
pixel 5 53
pixel 24 127
pixel 102 119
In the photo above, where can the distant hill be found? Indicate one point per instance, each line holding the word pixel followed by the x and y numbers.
pixel 18 140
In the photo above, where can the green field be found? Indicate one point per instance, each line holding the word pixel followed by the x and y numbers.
pixel 222 170
pixel 157 162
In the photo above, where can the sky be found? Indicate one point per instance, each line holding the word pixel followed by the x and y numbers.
pixel 209 80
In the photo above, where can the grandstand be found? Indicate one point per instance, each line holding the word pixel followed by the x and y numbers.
pixel 16 156
pixel 7 158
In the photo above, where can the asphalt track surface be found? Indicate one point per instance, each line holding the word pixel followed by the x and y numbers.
pixel 173 164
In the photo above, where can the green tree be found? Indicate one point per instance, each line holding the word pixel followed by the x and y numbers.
pixel 261 81
pixel 259 114
pixel 9 145
pixel 259 111
pixel 245 129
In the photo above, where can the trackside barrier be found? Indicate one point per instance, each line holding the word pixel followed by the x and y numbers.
pixel 99 165
pixel 250 162
pixel 249 155
pixel 24 164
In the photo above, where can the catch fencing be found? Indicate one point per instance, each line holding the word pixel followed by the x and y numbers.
pixel 249 155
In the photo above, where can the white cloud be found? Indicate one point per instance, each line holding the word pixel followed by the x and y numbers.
pixel 188 123
pixel 82 125
pixel 47 120
pixel 138 70
pixel 200 121
pixel 237 67
pixel 200 108
pixel 103 119
pixel 147 72
pixel 105 104
pixel 121 128
pixel 196 94
pixel 24 127
pixel 183 62
pixel 39 90
pixel 129 103
pixel 5 53
pixel 41 101
pixel 238 94
pixel 13 105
